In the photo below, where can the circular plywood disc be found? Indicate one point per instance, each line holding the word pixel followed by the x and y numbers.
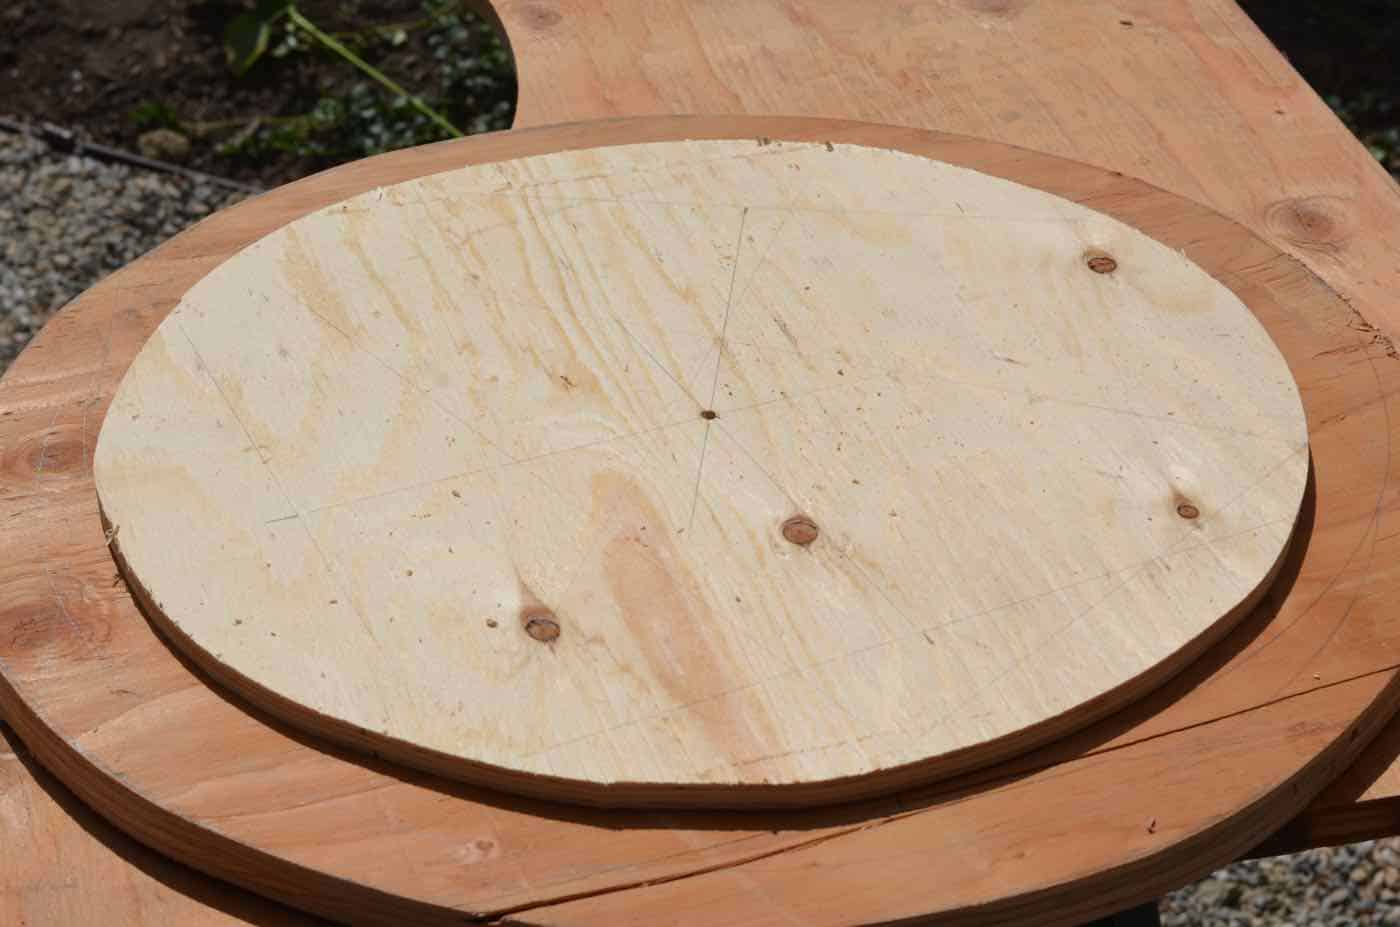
pixel 711 471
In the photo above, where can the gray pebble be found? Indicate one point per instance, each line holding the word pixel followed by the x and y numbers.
pixel 1351 886
pixel 164 145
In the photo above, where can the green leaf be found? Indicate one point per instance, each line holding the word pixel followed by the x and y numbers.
pixel 245 40
pixel 151 115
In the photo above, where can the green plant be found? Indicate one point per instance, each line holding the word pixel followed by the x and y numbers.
pixel 1346 51
pixel 151 115
pixel 1374 118
pixel 247 38
pixel 463 67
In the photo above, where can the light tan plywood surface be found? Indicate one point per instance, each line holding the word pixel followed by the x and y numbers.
pixel 730 471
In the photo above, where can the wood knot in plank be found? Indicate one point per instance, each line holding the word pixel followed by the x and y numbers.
pixel 540 16
pixel 1100 262
pixel 800 530
pixel 1315 223
pixel 56 453
pixel 540 624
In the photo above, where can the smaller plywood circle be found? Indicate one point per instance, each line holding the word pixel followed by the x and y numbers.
pixel 712 471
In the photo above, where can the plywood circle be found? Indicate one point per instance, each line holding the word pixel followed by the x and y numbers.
pixel 724 472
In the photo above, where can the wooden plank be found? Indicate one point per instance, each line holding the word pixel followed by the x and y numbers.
pixel 356 475
pixel 164 756
pixel 1362 803
pixel 62 864
pixel 1374 778
pixel 951 862
pixel 1185 94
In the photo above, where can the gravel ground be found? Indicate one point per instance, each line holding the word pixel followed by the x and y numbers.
pixel 1349 886
pixel 70 221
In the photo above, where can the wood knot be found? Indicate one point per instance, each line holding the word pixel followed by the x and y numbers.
pixel 709 415
pixel 540 16
pixel 58 453
pixel 1314 223
pixel 800 530
pixel 540 624
pixel 1188 511
pixel 1100 262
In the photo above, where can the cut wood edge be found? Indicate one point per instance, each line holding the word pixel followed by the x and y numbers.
pixel 1362 803
pixel 1068 904
pixel 119 880
pixel 175 836
pixel 1249 833
pixel 671 796
pixel 644 794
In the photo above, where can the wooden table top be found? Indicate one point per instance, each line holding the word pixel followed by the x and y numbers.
pixel 1185 95
pixel 553 548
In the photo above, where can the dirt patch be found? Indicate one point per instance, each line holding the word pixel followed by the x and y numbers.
pixel 115 69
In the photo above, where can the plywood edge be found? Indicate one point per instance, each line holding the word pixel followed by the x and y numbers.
pixel 664 795
pixel 200 843
pixel 737 796
pixel 1361 803
pixel 55 839
pixel 1333 825
pixel 1066 901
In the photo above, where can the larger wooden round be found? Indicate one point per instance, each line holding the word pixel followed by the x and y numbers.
pixel 1174 785
pixel 729 471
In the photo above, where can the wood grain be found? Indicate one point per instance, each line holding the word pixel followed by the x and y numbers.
pixel 976 851
pixel 1238 742
pixel 61 864
pixel 1186 94
pixel 1362 803
pixel 1037 454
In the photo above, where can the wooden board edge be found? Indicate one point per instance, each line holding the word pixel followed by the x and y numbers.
pixel 1068 904
pixel 219 856
pixel 644 795
pixel 122 880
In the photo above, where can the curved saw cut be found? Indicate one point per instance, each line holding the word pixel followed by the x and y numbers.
pixel 724 472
